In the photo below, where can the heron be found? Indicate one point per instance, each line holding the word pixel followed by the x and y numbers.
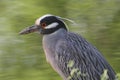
pixel 69 54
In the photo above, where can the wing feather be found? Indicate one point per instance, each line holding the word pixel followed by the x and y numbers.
pixel 88 61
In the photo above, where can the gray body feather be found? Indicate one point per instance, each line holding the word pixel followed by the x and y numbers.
pixel 62 46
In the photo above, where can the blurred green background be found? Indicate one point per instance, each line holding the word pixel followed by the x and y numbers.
pixel 22 57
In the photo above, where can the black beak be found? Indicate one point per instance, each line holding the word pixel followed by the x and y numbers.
pixel 30 29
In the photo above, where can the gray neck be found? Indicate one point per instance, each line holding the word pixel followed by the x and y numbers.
pixel 59 34
pixel 49 44
pixel 50 41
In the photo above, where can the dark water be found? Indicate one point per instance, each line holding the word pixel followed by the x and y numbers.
pixel 22 57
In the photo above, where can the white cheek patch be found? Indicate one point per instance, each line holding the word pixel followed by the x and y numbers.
pixel 52 25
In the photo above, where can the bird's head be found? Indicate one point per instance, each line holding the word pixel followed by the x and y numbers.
pixel 45 25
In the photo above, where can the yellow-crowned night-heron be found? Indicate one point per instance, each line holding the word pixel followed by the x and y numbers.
pixel 69 54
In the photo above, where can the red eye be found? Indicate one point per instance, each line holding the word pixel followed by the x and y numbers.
pixel 43 25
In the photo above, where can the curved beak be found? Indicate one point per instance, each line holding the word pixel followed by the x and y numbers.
pixel 30 29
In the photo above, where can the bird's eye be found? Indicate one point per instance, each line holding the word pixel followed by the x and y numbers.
pixel 43 24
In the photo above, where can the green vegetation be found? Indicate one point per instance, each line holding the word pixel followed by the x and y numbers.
pixel 22 57
pixel 104 76
pixel 76 71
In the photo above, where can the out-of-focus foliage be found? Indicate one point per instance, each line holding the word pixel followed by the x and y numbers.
pixel 22 57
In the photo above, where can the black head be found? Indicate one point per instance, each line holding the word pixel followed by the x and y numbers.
pixel 45 25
